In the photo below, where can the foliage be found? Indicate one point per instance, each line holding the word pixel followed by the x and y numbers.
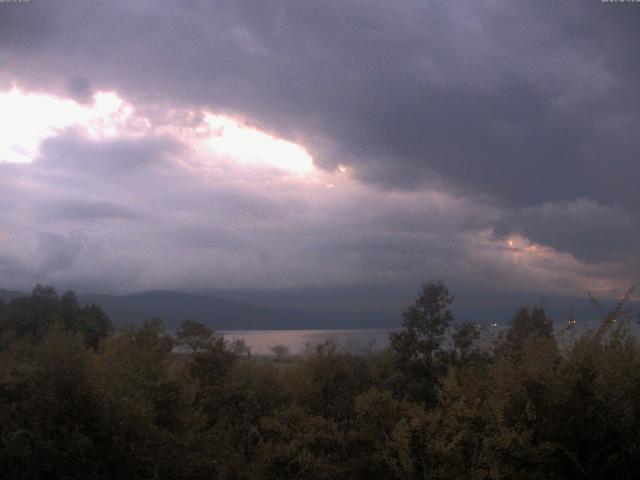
pixel 34 316
pixel 78 400
pixel 280 351
pixel 194 336
pixel 417 345
pixel 240 348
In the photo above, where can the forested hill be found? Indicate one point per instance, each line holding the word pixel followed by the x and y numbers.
pixel 7 295
pixel 285 310
pixel 80 399
pixel 222 314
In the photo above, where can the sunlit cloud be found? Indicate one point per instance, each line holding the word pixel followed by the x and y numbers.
pixel 236 160
pixel 27 119
pixel 251 146
pixel 541 268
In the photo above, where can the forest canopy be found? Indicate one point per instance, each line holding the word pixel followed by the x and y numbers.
pixel 446 400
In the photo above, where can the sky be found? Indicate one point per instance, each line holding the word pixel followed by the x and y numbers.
pixel 351 146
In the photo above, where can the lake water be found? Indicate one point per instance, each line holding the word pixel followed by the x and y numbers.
pixel 353 340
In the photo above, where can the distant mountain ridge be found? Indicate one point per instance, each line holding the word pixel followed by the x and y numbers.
pixel 285 311
pixel 223 314
pixel 7 295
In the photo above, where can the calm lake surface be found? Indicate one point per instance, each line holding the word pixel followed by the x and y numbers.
pixel 353 340
pixel 362 340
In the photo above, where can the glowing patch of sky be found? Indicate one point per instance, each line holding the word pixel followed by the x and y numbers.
pixel 26 119
pixel 254 147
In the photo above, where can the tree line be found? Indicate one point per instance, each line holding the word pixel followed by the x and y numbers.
pixel 79 399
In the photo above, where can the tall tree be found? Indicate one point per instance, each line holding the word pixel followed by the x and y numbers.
pixel 417 345
pixel 528 324
pixel 194 336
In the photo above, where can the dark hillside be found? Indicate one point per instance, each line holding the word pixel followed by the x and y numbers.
pixel 223 314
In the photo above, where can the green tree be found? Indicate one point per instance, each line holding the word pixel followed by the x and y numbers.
pixel 194 336
pixel 240 348
pixel 417 345
pixel 328 380
pixel 527 324
pixel 280 351
pixel 392 437
pixel 465 342
pixel 298 446
pixel 49 414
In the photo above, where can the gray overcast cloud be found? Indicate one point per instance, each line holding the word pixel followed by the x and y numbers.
pixel 481 142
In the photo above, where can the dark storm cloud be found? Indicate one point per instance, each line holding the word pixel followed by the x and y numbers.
pixel 9 267
pixel 72 154
pixel 196 230
pixel 527 102
pixel 52 254
pixel 66 223
pixel 57 252
pixel 78 210
pixel 528 107
pixel 591 231
pixel 79 89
